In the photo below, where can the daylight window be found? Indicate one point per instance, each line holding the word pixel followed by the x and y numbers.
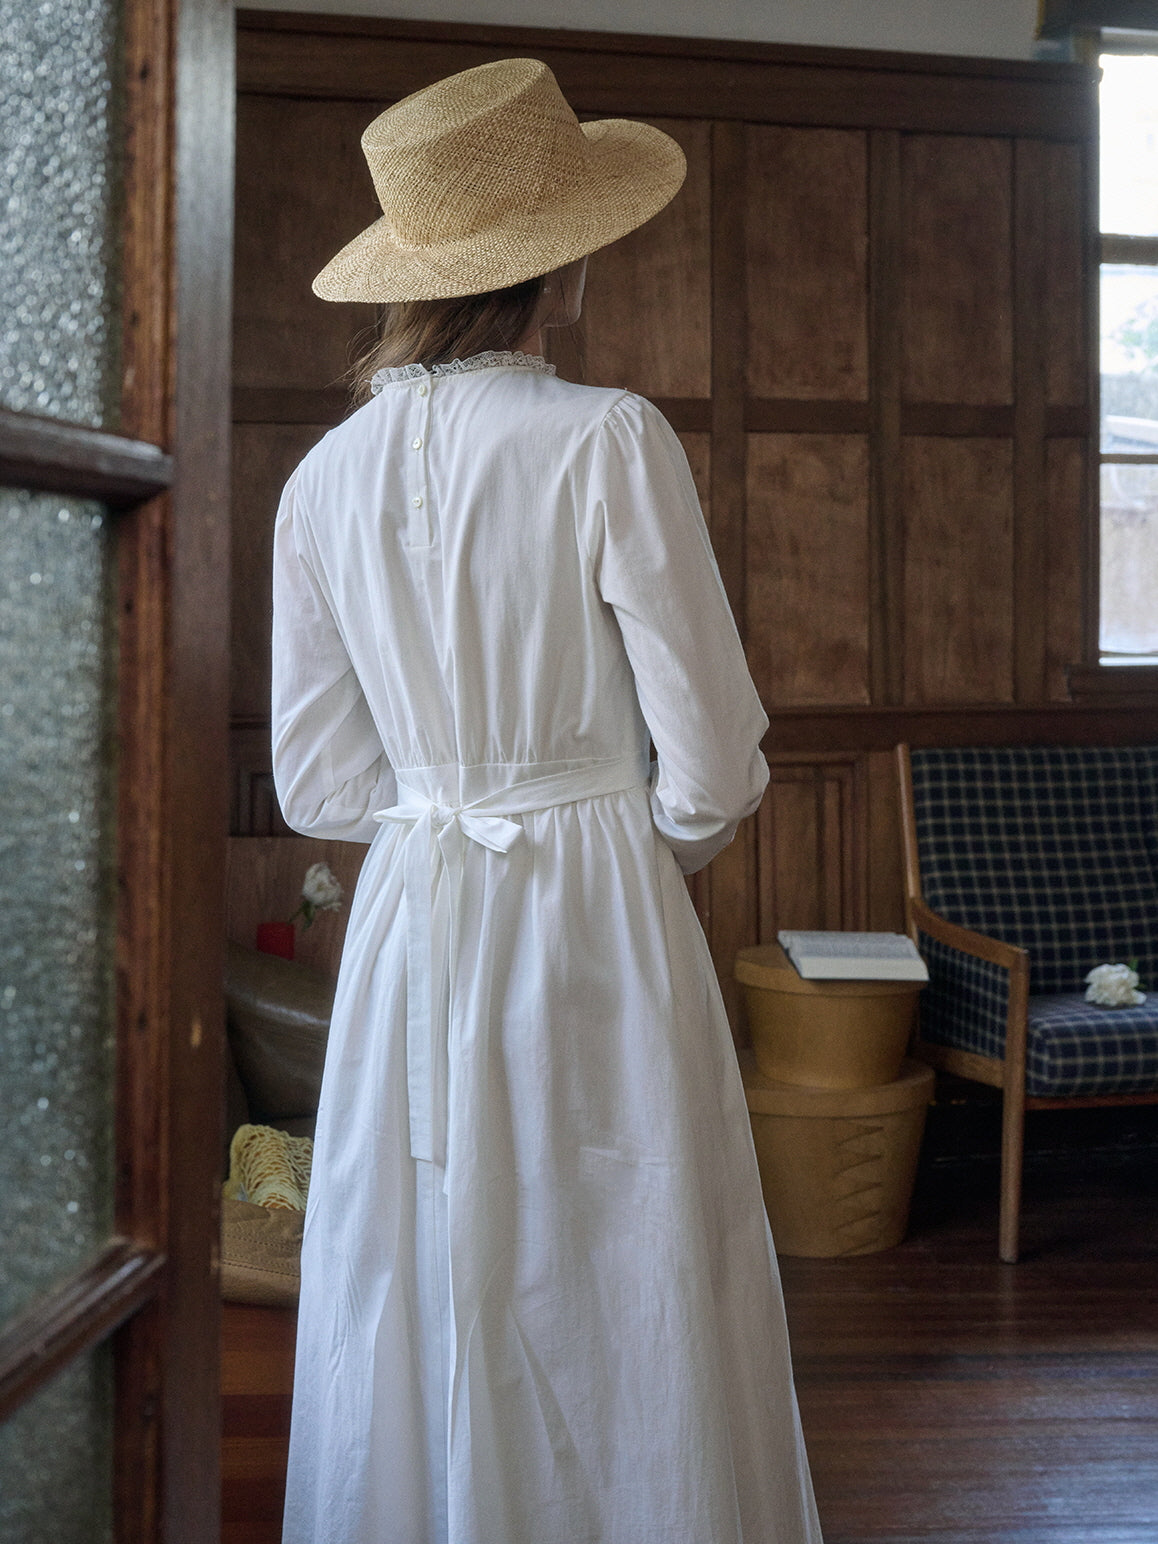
pixel 1129 358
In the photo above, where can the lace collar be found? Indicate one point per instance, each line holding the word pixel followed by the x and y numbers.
pixel 492 359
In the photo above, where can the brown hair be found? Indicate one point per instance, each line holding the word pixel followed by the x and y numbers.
pixel 432 332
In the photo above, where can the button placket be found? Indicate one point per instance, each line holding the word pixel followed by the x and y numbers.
pixel 419 532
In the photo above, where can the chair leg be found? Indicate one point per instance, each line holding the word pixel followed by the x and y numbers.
pixel 1012 1154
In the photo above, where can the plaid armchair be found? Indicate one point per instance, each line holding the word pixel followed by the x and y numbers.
pixel 1025 866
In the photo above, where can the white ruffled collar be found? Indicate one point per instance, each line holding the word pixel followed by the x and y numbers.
pixel 492 359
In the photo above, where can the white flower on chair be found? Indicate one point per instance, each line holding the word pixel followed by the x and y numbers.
pixel 1114 986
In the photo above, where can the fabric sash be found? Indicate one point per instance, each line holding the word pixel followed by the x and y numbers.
pixel 435 843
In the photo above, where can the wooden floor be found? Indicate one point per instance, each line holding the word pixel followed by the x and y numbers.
pixel 257 1360
pixel 946 1398
pixel 951 1399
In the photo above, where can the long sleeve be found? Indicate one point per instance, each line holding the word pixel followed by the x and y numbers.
pixel 654 566
pixel 329 767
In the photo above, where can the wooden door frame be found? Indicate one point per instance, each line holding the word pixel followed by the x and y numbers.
pixel 166 474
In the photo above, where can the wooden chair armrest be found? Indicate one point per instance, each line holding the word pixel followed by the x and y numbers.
pixel 979 945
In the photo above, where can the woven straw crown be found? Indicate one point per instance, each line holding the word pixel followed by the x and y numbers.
pixel 488 178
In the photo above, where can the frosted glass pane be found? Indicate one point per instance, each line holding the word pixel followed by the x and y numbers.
pixel 56 893
pixel 1128 130
pixel 56 1459
pixel 1129 319
pixel 1129 611
pixel 59 301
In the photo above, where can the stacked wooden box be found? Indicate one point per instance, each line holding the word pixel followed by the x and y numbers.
pixel 837 1110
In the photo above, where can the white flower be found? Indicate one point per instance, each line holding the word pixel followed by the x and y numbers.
pixel 1114 986
pixel 321 889
pixel 320 892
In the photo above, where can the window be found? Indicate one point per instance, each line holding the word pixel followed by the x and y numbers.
pixel 114 351
pixel 1128 631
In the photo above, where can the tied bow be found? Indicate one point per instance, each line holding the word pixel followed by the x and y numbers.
pixel 433 853
pixel 435 840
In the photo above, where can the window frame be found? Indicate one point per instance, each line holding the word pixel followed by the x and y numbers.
pixel 153 1289
pixel 1119 250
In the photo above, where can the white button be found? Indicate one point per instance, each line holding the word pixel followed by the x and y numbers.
pixel 416 501
pixel 422 390
pixel 416 442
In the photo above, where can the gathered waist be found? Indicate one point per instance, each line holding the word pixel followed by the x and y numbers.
pixel 520 788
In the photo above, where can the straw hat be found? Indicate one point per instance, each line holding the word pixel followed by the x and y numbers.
pixel 488 178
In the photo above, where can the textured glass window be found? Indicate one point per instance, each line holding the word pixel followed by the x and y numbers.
pixel 1128 616
pixel 59 253
pixel 56 1059
pixel 1129 560
pixel 1128 136
pixel 60 326
pixel 55 1463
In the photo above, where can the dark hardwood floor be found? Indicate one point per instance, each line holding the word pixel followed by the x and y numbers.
pixel 946 1398
pixel 951 1399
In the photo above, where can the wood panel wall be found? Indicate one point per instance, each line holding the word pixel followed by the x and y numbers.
pixel 869 317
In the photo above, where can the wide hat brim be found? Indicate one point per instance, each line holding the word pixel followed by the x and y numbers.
pixel 631 171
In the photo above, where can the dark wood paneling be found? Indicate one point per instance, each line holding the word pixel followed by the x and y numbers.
pixel 325 406
pixel 264 455
pixel 1030 325
pixel 957 286
pixel 254 810
pixel 648 306
pixel 884 907
pixel 964 419
pixel 807 229
pixel 1116 686
pixel 764 415
pixel 1099 721
pixel 958 593
pixel 698 449
pixel 791 871
pixel 956 420
pixel 724 897
pixel 1064 301
pixel 729 361
pixel 886 507
pixel 810 829
pixel 808 568
pixel 290 222
pixel 729 920
pixel 611 73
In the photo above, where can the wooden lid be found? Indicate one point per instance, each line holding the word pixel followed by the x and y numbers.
pixel 768 966
pixel 913 1088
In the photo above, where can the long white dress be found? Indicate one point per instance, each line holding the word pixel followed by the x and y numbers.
pixel 539 1299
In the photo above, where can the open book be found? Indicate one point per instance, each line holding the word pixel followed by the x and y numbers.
pixel 854 956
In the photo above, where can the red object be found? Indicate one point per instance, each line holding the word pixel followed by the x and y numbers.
pixel 276 938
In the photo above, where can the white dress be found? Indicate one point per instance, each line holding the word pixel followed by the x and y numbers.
pixel 539 1299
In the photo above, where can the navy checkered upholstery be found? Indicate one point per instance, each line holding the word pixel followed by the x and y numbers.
pixel 1054 849
pixel 966 1002
pixel 1075 1047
